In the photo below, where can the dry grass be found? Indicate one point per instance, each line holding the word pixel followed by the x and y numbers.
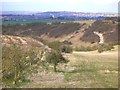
pixel 94 69
pixel 85 70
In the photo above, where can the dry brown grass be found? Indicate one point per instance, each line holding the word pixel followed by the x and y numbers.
pixel 85 70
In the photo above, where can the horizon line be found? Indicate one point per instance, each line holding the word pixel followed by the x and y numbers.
pixel 60 11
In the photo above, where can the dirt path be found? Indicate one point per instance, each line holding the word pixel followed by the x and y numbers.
pixel 43 79
pixel 100 36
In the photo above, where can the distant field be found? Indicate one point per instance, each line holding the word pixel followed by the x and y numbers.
pixel 46 21
pixel 33 21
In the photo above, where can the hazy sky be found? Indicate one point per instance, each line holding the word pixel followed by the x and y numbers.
pixel 61 5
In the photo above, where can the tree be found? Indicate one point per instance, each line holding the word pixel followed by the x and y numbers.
pixel 54 58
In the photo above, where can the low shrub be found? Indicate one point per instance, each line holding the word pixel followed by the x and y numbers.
pixel 101 48
pixel 66 49
pixel 88 48
pixel 59 46
pixel 67 42
pixel 56 45
pixel 105 47
pixel 15 64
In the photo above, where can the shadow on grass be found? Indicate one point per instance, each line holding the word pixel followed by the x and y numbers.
pixel 83 70
pixel 77 71
pixel 60 71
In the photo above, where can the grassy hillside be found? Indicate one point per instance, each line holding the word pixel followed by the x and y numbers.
pixel 89 65
pixel 109 29
pixel 85 70
pixel 37 29
pixel 74 32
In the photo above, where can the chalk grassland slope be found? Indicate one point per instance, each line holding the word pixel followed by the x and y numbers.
pixel 85 70
pixel 71 31
pixel 38 29
pixel 97 69
pixel 26 43
pixel 108 28
pixel 21 41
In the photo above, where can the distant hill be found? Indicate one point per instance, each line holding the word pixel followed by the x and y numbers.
pixel 59 13
pixel 108 28
pixel 38 29
pixel 63 15
pixel 73 32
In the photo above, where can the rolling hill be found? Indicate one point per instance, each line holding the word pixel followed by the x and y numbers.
pixel 72 31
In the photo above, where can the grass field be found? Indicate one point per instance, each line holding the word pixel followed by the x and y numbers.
pixel 94 70
pixel 46 21
pixel 33 21
pixel 85 70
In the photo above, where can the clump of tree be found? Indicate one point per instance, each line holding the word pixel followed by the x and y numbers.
pixel 15 64
pixel 55 58
pixel 66 49
pixel 59 46
pixel 56 45
pixel 101 48
pixel 105 47
pixel 67 42
pixel 88 48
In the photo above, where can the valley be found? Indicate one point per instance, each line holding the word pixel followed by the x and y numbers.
pixel 79 54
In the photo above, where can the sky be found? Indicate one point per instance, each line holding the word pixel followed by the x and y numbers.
pixel 61 5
